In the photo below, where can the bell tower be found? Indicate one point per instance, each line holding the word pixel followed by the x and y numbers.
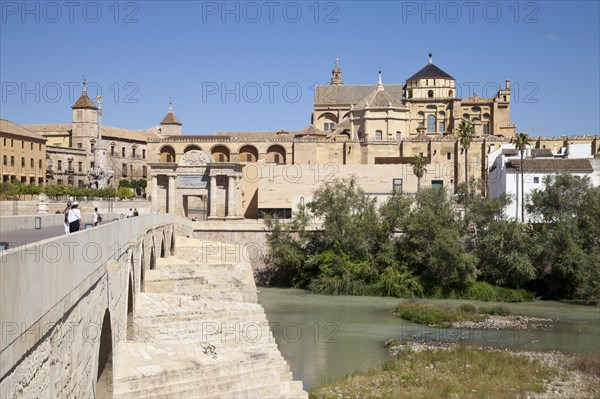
pixel 336 74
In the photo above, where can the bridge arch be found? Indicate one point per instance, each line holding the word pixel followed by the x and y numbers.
pixel 104 379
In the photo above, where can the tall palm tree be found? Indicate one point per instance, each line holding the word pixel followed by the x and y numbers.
pixel 418 163
pixel 465 133
pixel 521 141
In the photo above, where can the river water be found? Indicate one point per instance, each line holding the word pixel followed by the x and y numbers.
pixel 324 338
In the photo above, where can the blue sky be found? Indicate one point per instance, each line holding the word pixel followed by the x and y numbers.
pixel 236 66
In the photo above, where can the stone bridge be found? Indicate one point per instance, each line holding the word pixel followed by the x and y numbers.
pixel 135 308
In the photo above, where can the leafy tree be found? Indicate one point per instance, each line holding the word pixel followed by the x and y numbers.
pixel 418 164
pixel 465 133
pixel 124 183
pixel 569 237
pixel 521 141
pixel 433 246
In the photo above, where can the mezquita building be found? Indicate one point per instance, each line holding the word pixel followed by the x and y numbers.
pixel 371 132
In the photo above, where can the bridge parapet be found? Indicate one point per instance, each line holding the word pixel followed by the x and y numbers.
pixel 42 285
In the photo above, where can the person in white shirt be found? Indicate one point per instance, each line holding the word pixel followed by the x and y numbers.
pixel 74 217
pixel 130 213
pixel 95 219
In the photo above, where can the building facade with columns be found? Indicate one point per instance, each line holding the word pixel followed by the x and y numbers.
pixel 372 130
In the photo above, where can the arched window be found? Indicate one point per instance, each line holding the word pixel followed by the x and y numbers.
pixel 466 117
pixel 276 154
pixel 430 94
pixel 430 123
pixel 398 135
pixel 486 116
pixel 220 153
pixel 248 153
pixel 167 154
pixel 450 93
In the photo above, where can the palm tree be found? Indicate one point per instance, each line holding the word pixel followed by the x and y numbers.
pixel 465 133
pixel 521 141
pixel 418 163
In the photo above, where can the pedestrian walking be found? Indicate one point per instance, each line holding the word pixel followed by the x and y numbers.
pixel 74 218
pixel 96 217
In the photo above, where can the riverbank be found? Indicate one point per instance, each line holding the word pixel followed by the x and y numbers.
pixel 432 370
pixel 467 316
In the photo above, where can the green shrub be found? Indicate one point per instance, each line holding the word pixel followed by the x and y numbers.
pixel 424 314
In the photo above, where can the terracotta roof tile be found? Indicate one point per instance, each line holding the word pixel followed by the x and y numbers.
pixel 18 130
pixel 350 94
pixel 84 102
pixel 550 165
pixel 170 119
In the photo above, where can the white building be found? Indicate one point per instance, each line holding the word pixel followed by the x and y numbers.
pixel 505 178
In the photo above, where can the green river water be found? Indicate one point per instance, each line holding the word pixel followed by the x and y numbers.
pixel 324 338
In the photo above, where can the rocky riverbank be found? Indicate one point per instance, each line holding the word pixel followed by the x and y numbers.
pixel 567 381
pixel 506 322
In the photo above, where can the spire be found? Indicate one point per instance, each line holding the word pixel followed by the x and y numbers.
pixel 170 118
pixel 430 58
pixel 84 101
pixel 336 74
pixel 379 83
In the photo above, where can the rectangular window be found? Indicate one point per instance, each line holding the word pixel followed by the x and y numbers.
pixel 276 158
pixel 124 169
pixel 221 158
pixel 486 129
pixel 59 182
pixel 144 172
pixel 22 144
pixel 536 179
pixel 477 160
pixel 80 166
pixel 442 127
pixel 112 150
pixel 40 147
pixel 133 152
pixel 22 162
pixel 92 148
pixel 80 183
pixel 31 147
pixel 12 142
pixel 92 165
pixel 144 154
pixel 378 134
pixel 4 160
pixel 31 163
pixel 437 184
pixel 122 151
pixel 40 164
pixel 248 157
pixel 70 166
pixel 397 186
pixel 12 161
pixel 80 145
pixel 449 155
pixel 59 165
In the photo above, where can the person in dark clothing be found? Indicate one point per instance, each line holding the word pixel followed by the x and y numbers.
pixel 74 217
